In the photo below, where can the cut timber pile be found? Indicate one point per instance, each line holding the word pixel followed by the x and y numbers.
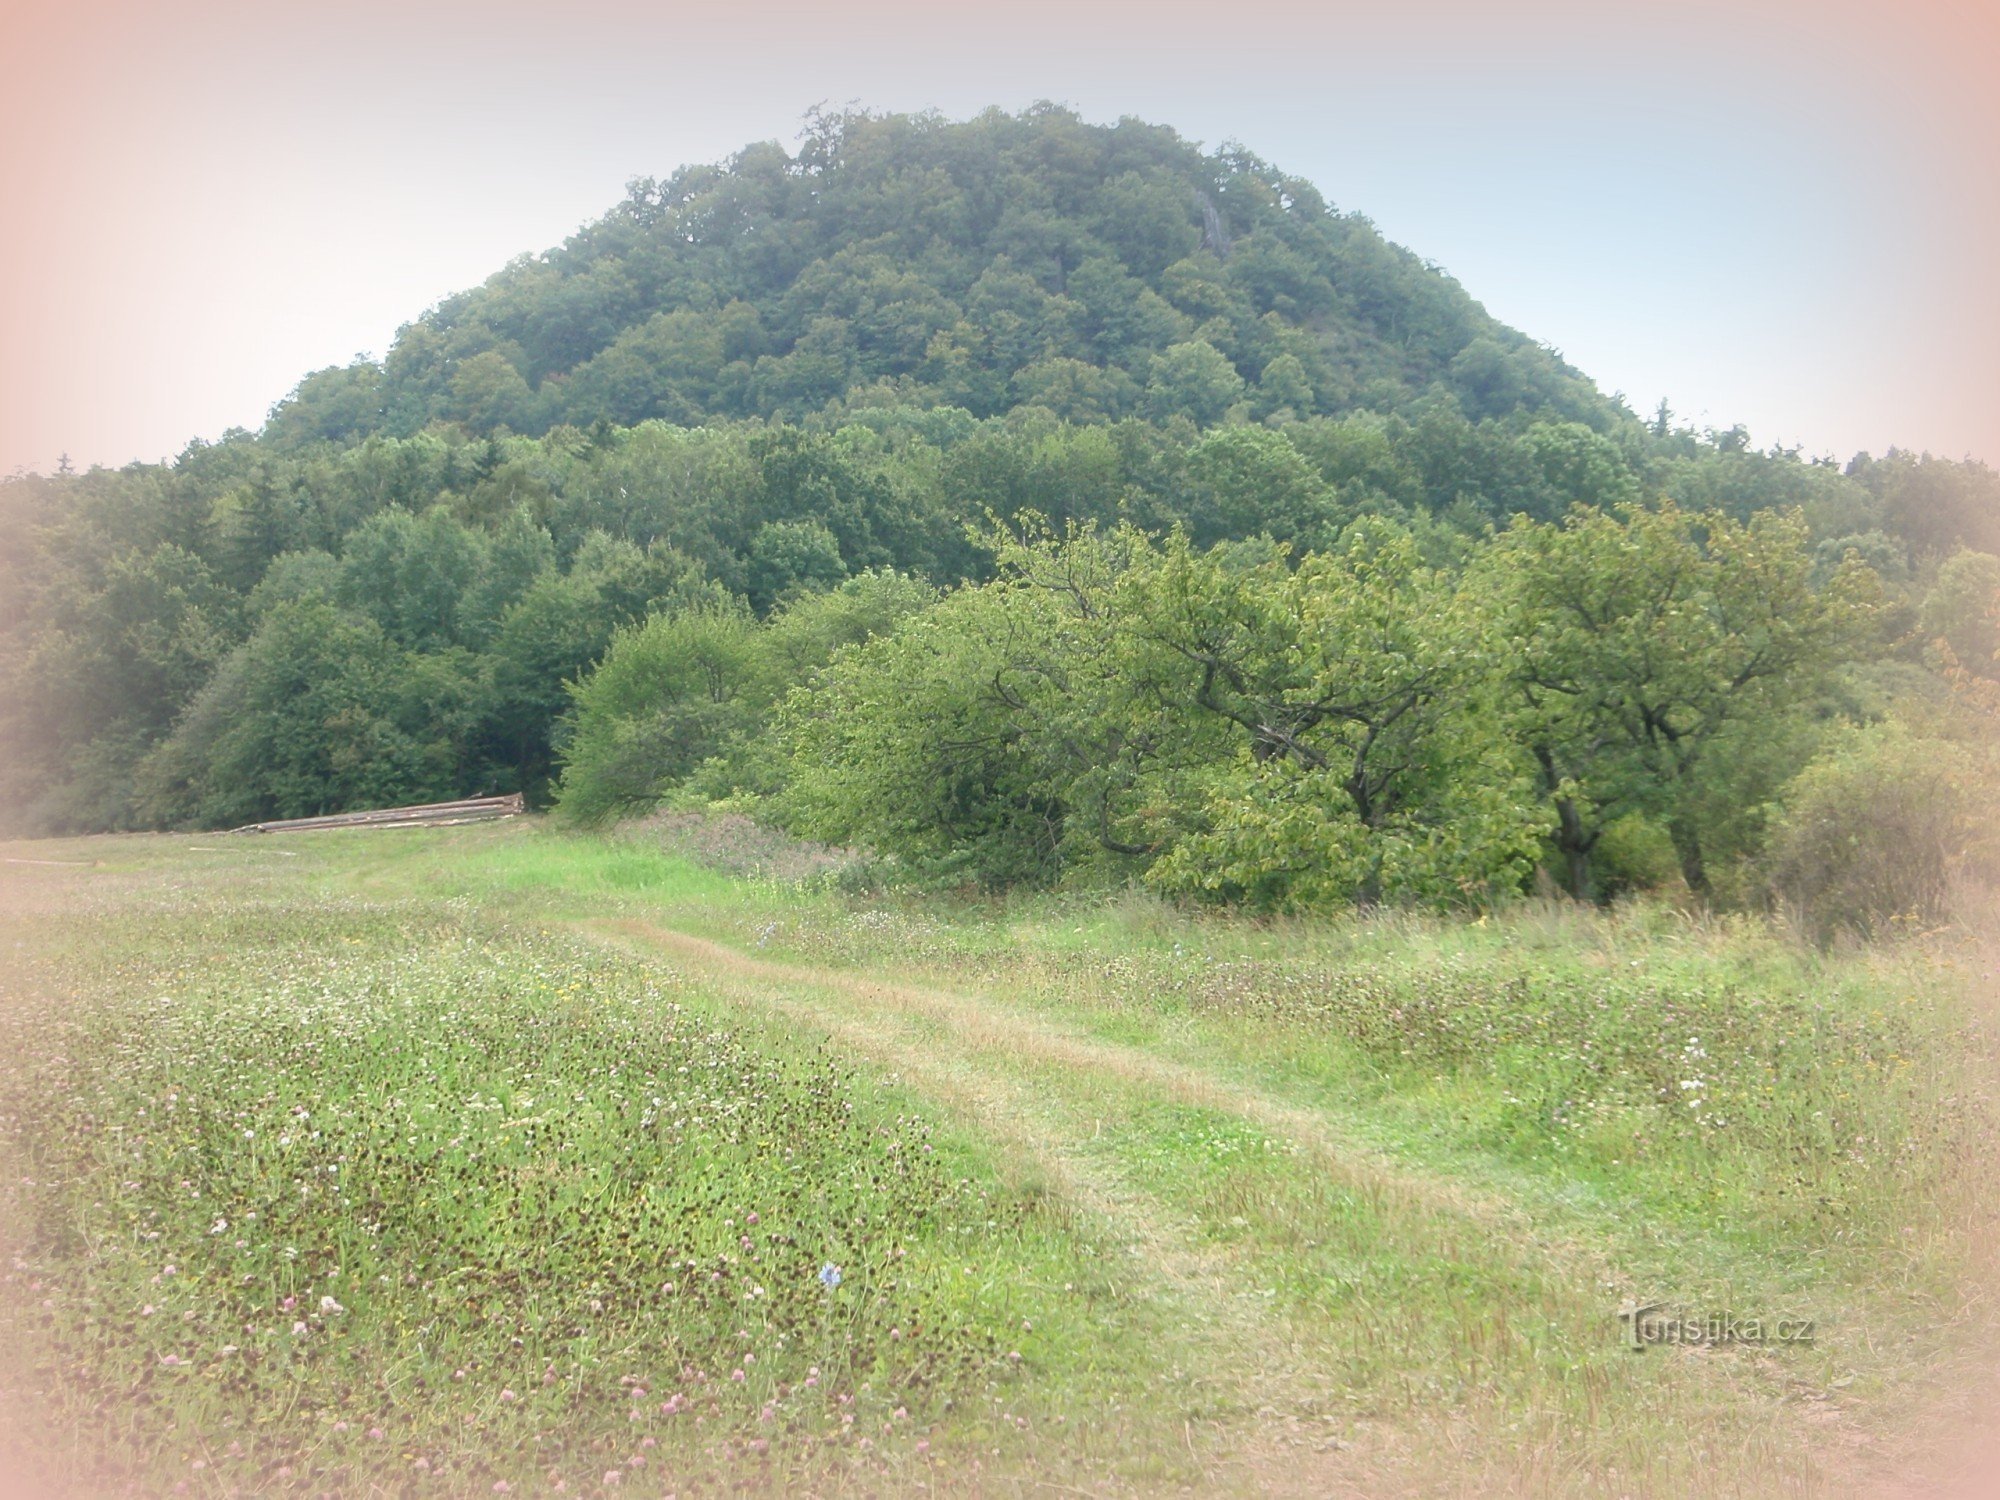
pixel 427 815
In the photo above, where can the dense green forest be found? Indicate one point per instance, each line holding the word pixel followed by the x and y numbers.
pixel 1024 500
pixel 910 262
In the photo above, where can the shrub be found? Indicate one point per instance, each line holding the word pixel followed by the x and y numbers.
pixel 1874 830
pixel 664 699
pixel 1634 853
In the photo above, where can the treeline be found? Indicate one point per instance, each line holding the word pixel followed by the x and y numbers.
pixel 1099 272
pixel 1632 697
pixel 249 634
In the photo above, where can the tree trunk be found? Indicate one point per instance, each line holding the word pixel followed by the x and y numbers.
pixel 1687 844
pixel 1575 846
pixel 1573 841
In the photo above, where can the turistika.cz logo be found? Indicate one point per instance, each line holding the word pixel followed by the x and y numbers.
pixel 1647 1326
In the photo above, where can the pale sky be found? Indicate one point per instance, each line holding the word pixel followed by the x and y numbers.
pixel 1784 215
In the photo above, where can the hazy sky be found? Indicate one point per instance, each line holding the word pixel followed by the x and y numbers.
pixel 1786 215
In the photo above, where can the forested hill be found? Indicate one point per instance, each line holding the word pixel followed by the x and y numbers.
pixel 1008 260
pixel 775 406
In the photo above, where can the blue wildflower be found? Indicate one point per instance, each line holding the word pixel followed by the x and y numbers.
pixel 829 1276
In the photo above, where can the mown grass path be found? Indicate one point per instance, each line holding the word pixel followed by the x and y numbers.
pixel 1499 1321
pixel 1040 1093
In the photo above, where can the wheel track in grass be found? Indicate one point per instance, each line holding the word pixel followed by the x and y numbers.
pixel 1192 1285
pixel 982 1025
pixel 965 1053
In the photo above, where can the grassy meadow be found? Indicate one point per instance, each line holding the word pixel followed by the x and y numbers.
pixel 502 1160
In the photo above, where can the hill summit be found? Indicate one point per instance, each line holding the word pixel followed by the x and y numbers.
pixel 908 260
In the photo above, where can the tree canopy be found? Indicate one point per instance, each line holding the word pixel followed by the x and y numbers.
pixel 1026 499
pixel 1098 271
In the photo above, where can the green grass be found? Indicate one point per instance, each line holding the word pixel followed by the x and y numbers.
pixel 1121 1199
pixel 1719 1078
pixel 307 1192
